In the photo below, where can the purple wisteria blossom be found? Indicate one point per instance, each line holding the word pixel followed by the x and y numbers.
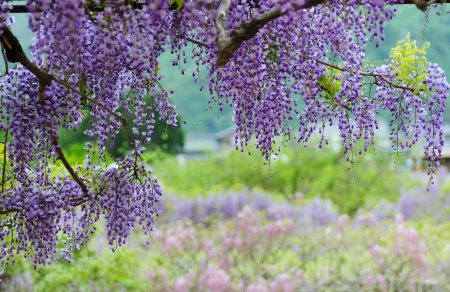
pixel 99 59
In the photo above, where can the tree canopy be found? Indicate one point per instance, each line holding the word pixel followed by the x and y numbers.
pixel 99 59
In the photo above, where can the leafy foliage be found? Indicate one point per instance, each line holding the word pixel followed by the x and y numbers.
pixel 100 62
pixel 176 4
pixel 308 171
pixel 411 64
pixel 330 85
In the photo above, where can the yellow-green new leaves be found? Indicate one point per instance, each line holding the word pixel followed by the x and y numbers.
pixel 330 85
pixel 176 4
pixel 411 64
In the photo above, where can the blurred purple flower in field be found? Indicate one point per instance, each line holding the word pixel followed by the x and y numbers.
pixel 183 284
pixel 21 282
pixel 281 210
pixel 385 210
pixel 283 283
pixel 406 205
pixel 214 279
pixel 260 286
pixel 365 219
pixel 421 201
pixel 412 203
pixel 261 201
pixel 210 206
pixel 321 212
pixel 227 205
pixel 184 208
pixel 408 244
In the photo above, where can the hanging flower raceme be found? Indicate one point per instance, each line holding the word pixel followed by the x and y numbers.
pixel 99 59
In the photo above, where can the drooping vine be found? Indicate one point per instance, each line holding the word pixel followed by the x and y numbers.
pixel 261 58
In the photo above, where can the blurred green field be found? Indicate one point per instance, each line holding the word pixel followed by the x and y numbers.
pixel 311 172
pixel 310 220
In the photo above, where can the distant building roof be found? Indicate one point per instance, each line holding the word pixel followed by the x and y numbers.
pixel 208 142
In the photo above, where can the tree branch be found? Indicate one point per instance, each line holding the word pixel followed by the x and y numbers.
pixel 122 119
pixel 227 45
pixel 424 4
pixel 4 212
pixel 14 53
pixel 371 74
pixel 220 22
pixel 4 60
pixel 67 165
pixel 197 42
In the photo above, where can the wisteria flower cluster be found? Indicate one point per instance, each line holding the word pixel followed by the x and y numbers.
pixel 289 57
pixel 99 57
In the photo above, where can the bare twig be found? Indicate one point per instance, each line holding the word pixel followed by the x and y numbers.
pixel 372 74
pixel 197 42
pixel 61 155
pixel 4 212
pixel 67 165
pixel 122 119
pixel 41 92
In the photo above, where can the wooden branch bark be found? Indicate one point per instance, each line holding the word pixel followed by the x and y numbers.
pixel 15 54
pixel 67 165
pixel 228 44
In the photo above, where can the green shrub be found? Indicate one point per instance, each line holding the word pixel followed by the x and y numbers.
pixel 321 173
pixel 121 271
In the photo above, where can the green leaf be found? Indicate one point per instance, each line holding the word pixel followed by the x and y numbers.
pixel 329 85
pixel 411 64
pixel 176 4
